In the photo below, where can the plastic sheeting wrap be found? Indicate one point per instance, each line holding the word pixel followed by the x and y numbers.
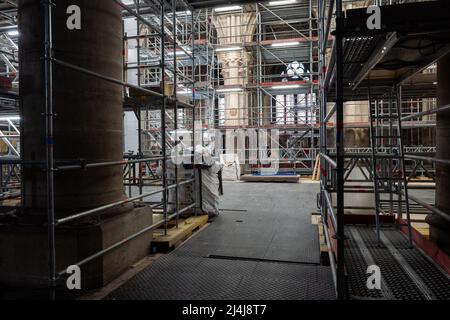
pixel 210 189
pixel 210 182
pixel 186 194
pixel 231 167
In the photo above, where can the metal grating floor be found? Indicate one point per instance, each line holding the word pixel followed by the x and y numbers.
pixel 262 247
pixel 192 278
pixel 228 238
pixel 406 273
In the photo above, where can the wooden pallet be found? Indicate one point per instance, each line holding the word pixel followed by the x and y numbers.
pixel 175 236
pixel 10 203
pixel 316 171
pixel 316 219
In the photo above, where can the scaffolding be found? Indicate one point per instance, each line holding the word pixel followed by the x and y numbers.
pixel 274 78
pixel 170 28
pixel 278 82
pixel 355 66
pixel 174 80
pixel 190 65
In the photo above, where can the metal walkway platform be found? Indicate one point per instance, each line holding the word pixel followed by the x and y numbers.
pixel 262 247
pixel 406 273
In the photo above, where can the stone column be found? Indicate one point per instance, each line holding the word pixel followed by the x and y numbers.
pixel 234 30
pixel 439 227
pixel 235 73
pixel 356 112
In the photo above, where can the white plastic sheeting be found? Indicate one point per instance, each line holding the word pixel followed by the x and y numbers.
pixel 231 167
pixel 186 194
pixel 210 189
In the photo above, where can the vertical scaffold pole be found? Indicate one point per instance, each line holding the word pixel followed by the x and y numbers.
pixel 139 111
pixel 198 196
pixel 341 287
pixel 163 119
pixel 48 60
pixel 175 108
pixel 323 103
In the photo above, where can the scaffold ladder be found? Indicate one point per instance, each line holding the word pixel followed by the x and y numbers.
pixel 388 157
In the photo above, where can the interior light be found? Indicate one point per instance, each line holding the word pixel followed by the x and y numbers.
pixel 230 8
pixel 179 53
pixel 229 90
pixel 285 44
pixel 292 86
pixel 228 49
pixel 282 2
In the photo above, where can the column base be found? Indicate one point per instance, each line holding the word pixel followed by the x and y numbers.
pixel 24 250
pixel 439 232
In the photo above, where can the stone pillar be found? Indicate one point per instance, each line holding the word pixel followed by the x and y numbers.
pixel 236 29
pixel 235 73
pixel 439 227
pixel 89 121
pixel 355 112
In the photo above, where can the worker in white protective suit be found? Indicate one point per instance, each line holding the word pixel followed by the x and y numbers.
pixel 178 151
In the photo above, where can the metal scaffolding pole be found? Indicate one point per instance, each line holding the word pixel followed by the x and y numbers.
pixel 327 165
pixel 139 109
pixel 198 199
pixel 163 120
pixel 403 189
pixel 175 95
pixel 49 142
pixel 340 236
pixel 374 133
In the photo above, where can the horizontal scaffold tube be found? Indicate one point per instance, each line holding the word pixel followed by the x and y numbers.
pixel 122 242
pixel 430 207
pixel 426 113
pixel 427 159
pixel 115 204
pixel 106 78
